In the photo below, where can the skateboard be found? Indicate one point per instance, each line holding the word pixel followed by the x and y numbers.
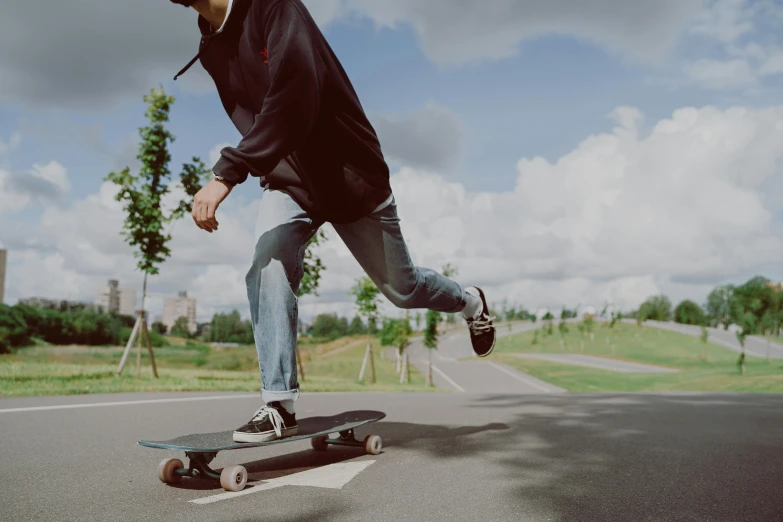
pixel 202 448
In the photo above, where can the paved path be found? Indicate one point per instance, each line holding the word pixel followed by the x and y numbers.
pixel 753 345
pixel 475 376
pixel 448 457
pixel 602 363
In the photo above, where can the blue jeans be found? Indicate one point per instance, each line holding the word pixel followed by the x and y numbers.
pixel 283 230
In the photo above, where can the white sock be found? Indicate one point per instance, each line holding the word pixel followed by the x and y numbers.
pixel 474 304
pixel 288 406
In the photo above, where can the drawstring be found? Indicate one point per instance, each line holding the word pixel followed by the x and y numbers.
pixel 191 62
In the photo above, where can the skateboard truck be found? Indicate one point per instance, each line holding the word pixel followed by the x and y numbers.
pixel 372 444
pixel 198 466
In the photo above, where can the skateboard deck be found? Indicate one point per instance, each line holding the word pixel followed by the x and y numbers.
pixel 202 448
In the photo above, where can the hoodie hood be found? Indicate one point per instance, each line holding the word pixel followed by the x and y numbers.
pixel 207 34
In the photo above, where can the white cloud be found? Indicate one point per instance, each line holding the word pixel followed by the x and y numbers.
pixel 214 153
pixel 42 183
pixel 626 214
pixel 10 145
pixel 773 63
pixel 430 137
pixel 748 40
pixel 718 74
pixel 473 31
pixel 117 64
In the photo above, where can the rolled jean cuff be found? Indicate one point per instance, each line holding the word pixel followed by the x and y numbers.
pixel 462 303
pixel 271 396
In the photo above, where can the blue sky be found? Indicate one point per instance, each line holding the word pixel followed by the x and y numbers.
pixel 545 94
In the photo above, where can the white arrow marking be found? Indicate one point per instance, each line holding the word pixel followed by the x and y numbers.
pixel 333 476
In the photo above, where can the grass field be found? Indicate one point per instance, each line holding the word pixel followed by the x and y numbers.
pixel 68 370
pixel 702 367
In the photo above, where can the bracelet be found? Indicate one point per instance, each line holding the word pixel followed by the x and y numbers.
pixel 223 180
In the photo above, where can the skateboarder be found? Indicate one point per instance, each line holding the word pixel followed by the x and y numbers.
pixel 307 139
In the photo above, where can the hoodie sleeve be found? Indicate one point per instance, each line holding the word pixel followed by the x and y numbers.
pixel 292 102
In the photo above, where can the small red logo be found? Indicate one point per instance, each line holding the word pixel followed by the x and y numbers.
pixel 265 54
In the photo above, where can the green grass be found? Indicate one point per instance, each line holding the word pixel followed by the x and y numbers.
pixel 718 373
pixel 69 370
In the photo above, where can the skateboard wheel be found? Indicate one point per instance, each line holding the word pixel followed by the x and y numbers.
pixel 373 444
pixel 233 478
pixel 319 443
pixel 166 471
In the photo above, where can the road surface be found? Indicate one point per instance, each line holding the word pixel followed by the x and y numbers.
pixel 474 376
pixel 448 456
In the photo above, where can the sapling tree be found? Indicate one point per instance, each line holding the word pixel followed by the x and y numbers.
pixel 432 318
pixel 704 338
pixel 367 298
pixel 142 195
pixel 311 277
pixel 741 338
pixel 450 270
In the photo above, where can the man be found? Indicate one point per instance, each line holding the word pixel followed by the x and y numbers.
pixel 305 135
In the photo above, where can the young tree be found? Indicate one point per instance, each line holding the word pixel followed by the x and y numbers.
pixel 450 270
pixel 367 297
pixel 741 338
pixel 313 266
pixel 718 305
pixel 357 326
pixel 311 277
pixel 180 328
pixel 548 318
pixel 704 338
pixel 688 312
pixel 397 332
pixel 159 327
pixel 431 338
pixel 142 197
pixel 589 323
pixel 657 308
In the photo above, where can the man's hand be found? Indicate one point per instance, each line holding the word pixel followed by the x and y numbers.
pixel 206 202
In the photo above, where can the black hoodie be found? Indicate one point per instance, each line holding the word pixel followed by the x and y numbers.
pixel 304 130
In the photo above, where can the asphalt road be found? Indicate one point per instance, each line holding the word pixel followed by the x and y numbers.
pixel 448 456
pixel 474 376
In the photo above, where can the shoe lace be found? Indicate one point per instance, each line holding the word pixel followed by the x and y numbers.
pixel 482 324
pixel 274 418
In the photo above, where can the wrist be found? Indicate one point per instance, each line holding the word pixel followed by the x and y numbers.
pixel 224 181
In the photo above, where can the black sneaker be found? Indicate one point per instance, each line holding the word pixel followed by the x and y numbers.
pixel 482 332
pixel 269 422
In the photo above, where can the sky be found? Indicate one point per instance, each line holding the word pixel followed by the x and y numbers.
pixel 558 152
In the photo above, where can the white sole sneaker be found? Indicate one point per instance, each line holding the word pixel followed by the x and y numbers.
pixel 264 437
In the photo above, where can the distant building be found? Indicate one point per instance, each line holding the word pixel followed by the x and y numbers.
pixel 113 299
pixel 176 307
pixel 3 259
pixel 127 302
pixel 108 298
pixel 39 302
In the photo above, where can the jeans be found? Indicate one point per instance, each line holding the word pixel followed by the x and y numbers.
pixel 283 230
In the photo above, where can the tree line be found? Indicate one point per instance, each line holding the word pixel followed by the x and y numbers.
pixel 755 306
pixel 65 323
